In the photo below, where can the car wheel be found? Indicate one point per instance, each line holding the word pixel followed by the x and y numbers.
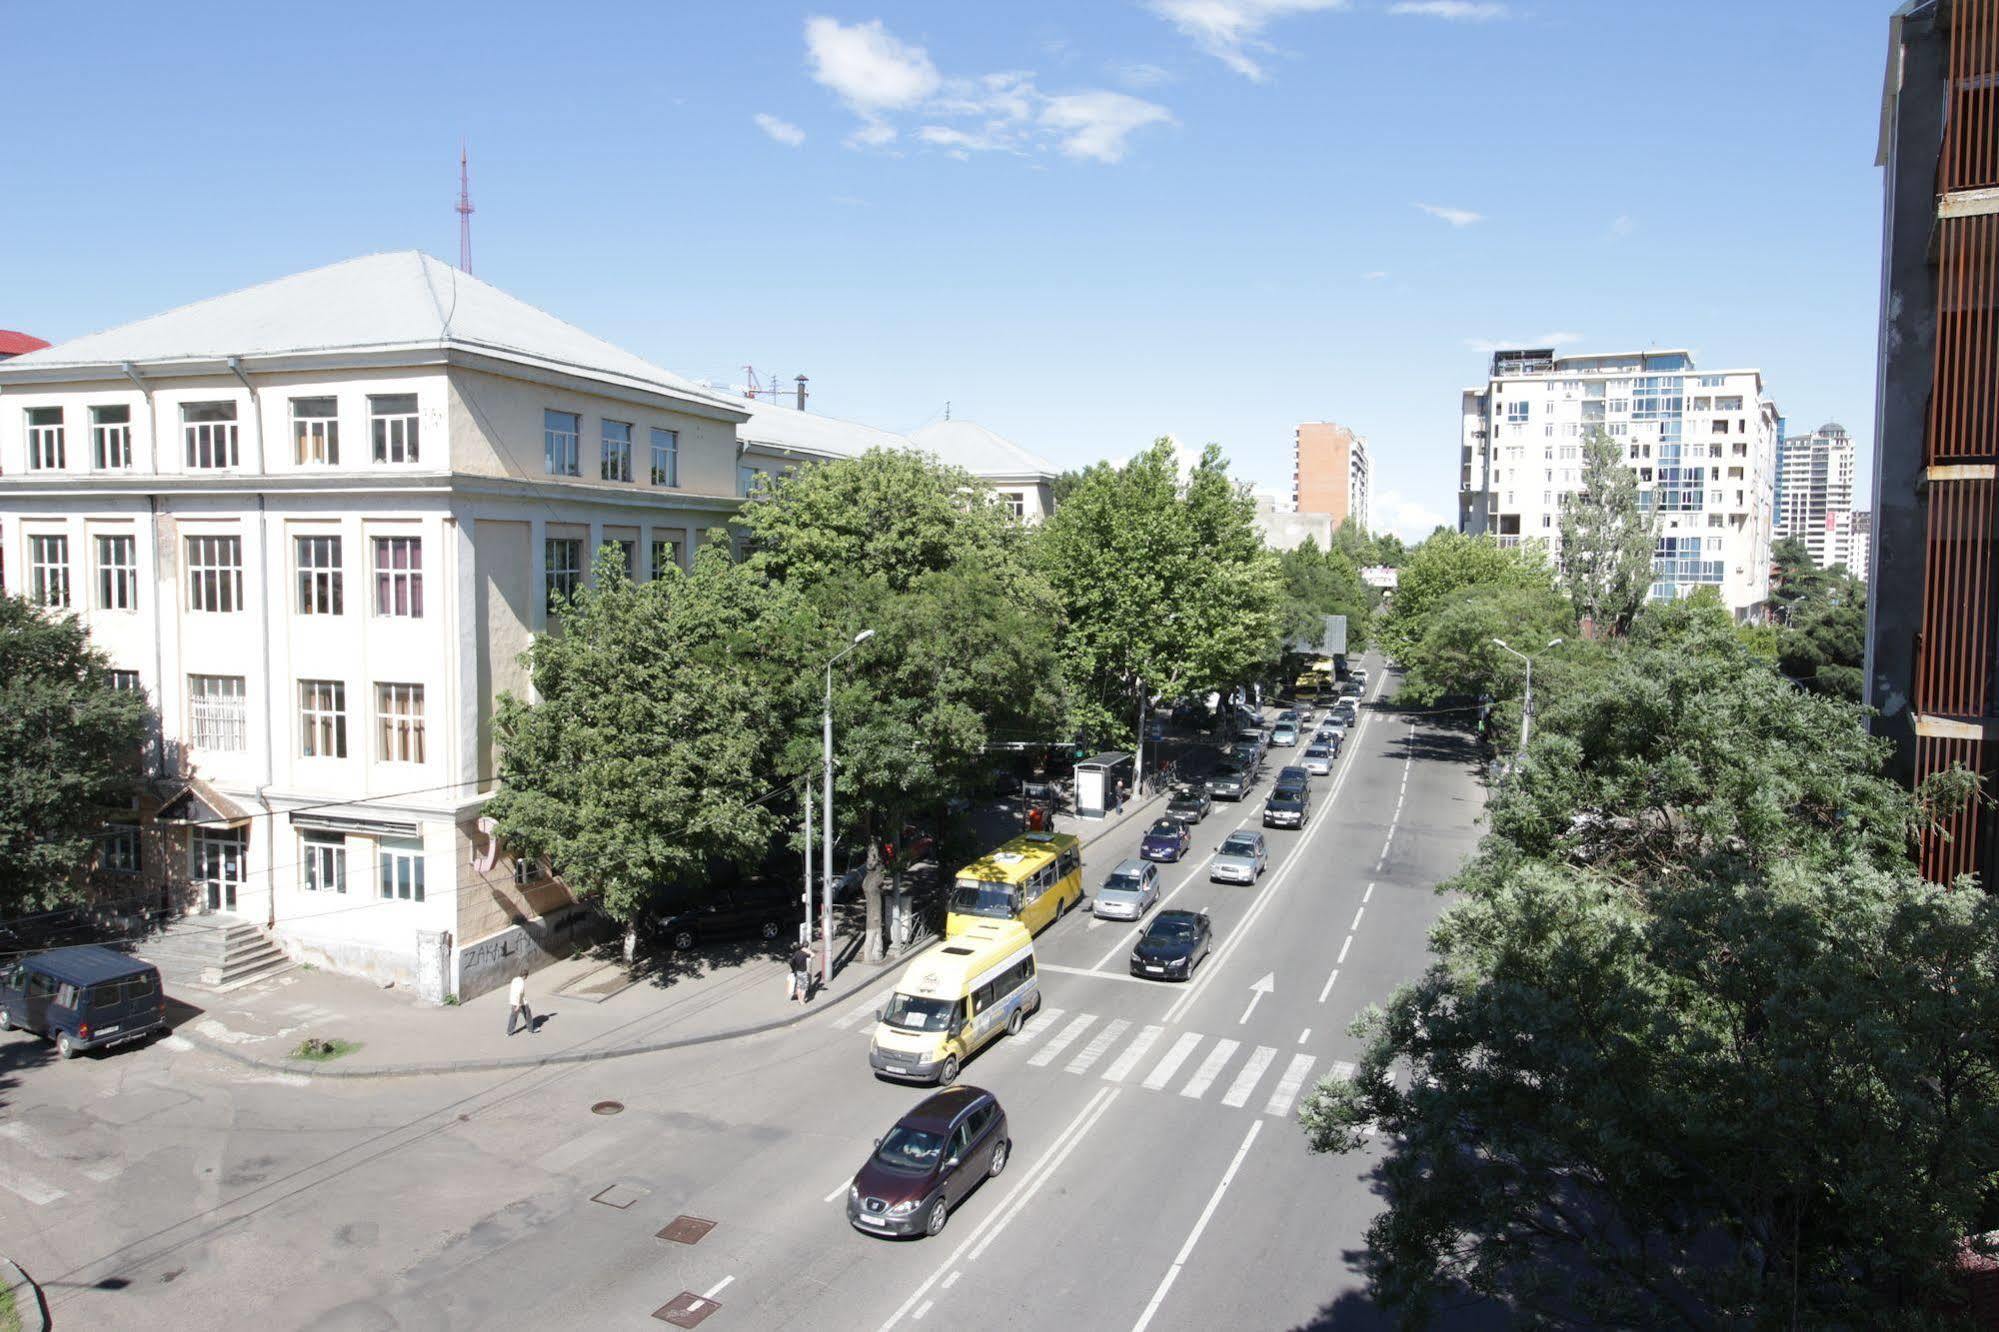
pixel 1000 1153
pixel 64 1046
pixel 949 1073
pixel 771 930
pixel 933 1224
pixel 1013 1023
pixel 683 939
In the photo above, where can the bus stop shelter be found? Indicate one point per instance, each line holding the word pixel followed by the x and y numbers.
pixel 1096 783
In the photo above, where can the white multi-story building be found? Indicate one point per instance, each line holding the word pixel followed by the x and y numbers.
pixel 317 521
pixel 1703 444
pixel 1815 493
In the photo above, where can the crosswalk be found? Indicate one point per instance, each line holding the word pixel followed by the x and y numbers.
pixel 1119 1050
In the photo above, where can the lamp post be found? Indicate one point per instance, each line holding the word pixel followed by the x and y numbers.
pixel 1527 700
pixel 826 816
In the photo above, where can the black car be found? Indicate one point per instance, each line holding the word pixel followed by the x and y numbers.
pixel 1231 781
pixel 1289 805
pixel 759 911
pixel 927 1163
pixel 1248 753
pixel 1190 804
pixel 1172 946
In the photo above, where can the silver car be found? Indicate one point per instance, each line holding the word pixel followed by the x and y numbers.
pixel 1318 760
pixel 1131 890
pixel 1240 858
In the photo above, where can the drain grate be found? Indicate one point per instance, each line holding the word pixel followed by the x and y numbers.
pixel 685 1309
pixel 686 1229
pixel 607 1107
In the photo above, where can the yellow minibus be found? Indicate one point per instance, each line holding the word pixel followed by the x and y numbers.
pixel 1032 879
pixel 955 997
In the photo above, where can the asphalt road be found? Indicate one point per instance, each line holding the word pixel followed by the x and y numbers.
pixel 1159 1178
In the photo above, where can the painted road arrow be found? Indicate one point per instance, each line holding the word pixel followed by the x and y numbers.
pixel 1261 988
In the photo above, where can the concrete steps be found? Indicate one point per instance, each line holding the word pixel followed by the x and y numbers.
pixel 214 953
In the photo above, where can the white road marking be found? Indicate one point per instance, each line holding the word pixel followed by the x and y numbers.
pixel 951 1281
pixel 1342 1069
pixel 1194 1236
pixel 1122 1066
pixel 1086 971
pixel 1014 1208
pixel 1167 1067
pixel 1367 896
pixel 1062 1040
pixel 717 1288
pixel 1066 1139
pixel 1257 991
pixel 1304 1035
pixel 1211 1067
pixel 1287 1087
pixel 577 1150
pixel 23 1185
pixel 1328 987
pixel 1035 1026
pixel 1098 1047
pixel 843 1186
pixel 1358 913
pixel 1342 958
pixel 921 1310
pixel 1252 1073
pixel 865 1009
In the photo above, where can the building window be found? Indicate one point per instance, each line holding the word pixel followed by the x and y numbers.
pixel 325 862
pixel 128 681
pixel 1732 403
pixel 1014 503
pixel 117 573
pixel 399 577
pixel 111 437
pixel 402 871
pixel 215 573
pixel 322 719
pixel 665 457
pixel 48 570
pixel 628 556
pixel 392 425
pixel 319 581
pixel 316 431
pixel 1710 381
pixel 210 428
pixel 665 555
pixel 529 870
pixel 560 435
pixel 118 849
pixel 615 463
pixel 399 712
pixel 563 559
pixel 45 448
pixel 215 705
pixel 1516 411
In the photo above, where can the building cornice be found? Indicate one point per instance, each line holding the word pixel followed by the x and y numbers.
pixel 105 485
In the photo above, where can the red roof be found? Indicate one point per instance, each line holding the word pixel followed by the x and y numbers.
pixel 14 344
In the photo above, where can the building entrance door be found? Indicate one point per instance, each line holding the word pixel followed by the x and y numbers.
pixel 218 867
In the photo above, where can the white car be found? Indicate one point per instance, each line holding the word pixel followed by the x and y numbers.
pixel 1284 735
pixel 1131 890
pixel 1318 760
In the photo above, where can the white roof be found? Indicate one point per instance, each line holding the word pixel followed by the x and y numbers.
pixel 783 427
pixel 979 451
pixel 404 299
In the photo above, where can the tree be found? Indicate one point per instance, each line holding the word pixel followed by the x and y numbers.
pixel 1607 539
pixel 1794 575
pixel 641 761
pixel 1161 591
pixel 1822 643
pixel 1445 562
pixel 1456 655
pixel 1318 583
pixel 71 750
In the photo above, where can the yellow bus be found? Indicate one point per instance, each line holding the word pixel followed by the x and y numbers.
pixel 1032 879
pixel 953 999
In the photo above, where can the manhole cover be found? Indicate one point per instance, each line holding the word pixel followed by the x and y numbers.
pixel 685 1309
pixel 607 1107
pixel 686 1229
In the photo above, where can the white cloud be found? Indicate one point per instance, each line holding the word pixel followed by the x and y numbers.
pixel 1412 520
pixel 1622 225
pixel 1556 339
pixel 782 130
pixel 1095 124
pixel 1141 75
pixel 1229 30
pixel 1457 217
pixel 867 66
pixel 1376 276
pixel 1458 11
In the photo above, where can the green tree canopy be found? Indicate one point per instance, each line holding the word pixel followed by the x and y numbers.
pixel 1318 583
pixel 1456 653
pixel 1823 641
pixel 1445 562
pixel 71 750
pixel 1607 538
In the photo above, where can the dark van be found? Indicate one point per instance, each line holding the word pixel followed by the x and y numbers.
pixel 83 998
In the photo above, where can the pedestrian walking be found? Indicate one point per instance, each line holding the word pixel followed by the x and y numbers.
pixel 801 966
pixel 1120 795
pixel 517 1003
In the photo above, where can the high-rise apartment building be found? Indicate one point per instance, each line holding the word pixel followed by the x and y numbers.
pixel 1330 472
pixel 1815 493
pixel 1860 544
pixel 1703 444
pixel 1932 649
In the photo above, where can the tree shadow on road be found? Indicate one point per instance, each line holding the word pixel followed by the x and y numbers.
pixel 20 1052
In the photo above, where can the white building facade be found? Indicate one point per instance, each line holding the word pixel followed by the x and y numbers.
pixel 1703 445
pixel 1815 494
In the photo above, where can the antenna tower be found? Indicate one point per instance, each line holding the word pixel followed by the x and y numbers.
pixel 464 210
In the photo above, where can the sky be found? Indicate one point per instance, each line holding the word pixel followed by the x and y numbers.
pixel 1083 224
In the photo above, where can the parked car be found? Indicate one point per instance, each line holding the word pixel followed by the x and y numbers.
pixel 1308 717
pixel 1359 677
pixel 1289 805
pixel 914 847
pixel 1166 839
pixel 1190 804
pixel 1249 753
pixel 1288 717
pixel 1346 712
pixel 1230 781
pixel 1319 760
pixel 924 1166
pixel 1241 858
pixel 1292 774
pixel 83 998
pixel 751 910
pixel 1131 890
pixel 1332 733
pixel 1249 727
pixel 1284 736
pixel 1172 945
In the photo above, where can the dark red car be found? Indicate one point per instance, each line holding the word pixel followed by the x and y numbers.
pixel 913 848
pixel 927 1163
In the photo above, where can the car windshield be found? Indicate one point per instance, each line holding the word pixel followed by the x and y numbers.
pixel 975 897
pixel 1166 828
pixel 1318 751
pixel 911 1013
pixel 910 1149
pixel 1123 883
pixel 1183 804
pixel 1239 846
pixel 1167 930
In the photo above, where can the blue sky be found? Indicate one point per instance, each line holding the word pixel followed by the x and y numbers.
pixel 1082 224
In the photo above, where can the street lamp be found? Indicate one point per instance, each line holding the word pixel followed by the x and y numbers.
pixel 826 813
pixel 1527 701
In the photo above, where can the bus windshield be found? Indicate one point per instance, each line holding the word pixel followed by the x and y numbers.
pixel 913 1014
pixel 975 897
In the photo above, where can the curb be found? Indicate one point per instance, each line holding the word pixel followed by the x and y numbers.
pixel 560 1057
pixel 28 1304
